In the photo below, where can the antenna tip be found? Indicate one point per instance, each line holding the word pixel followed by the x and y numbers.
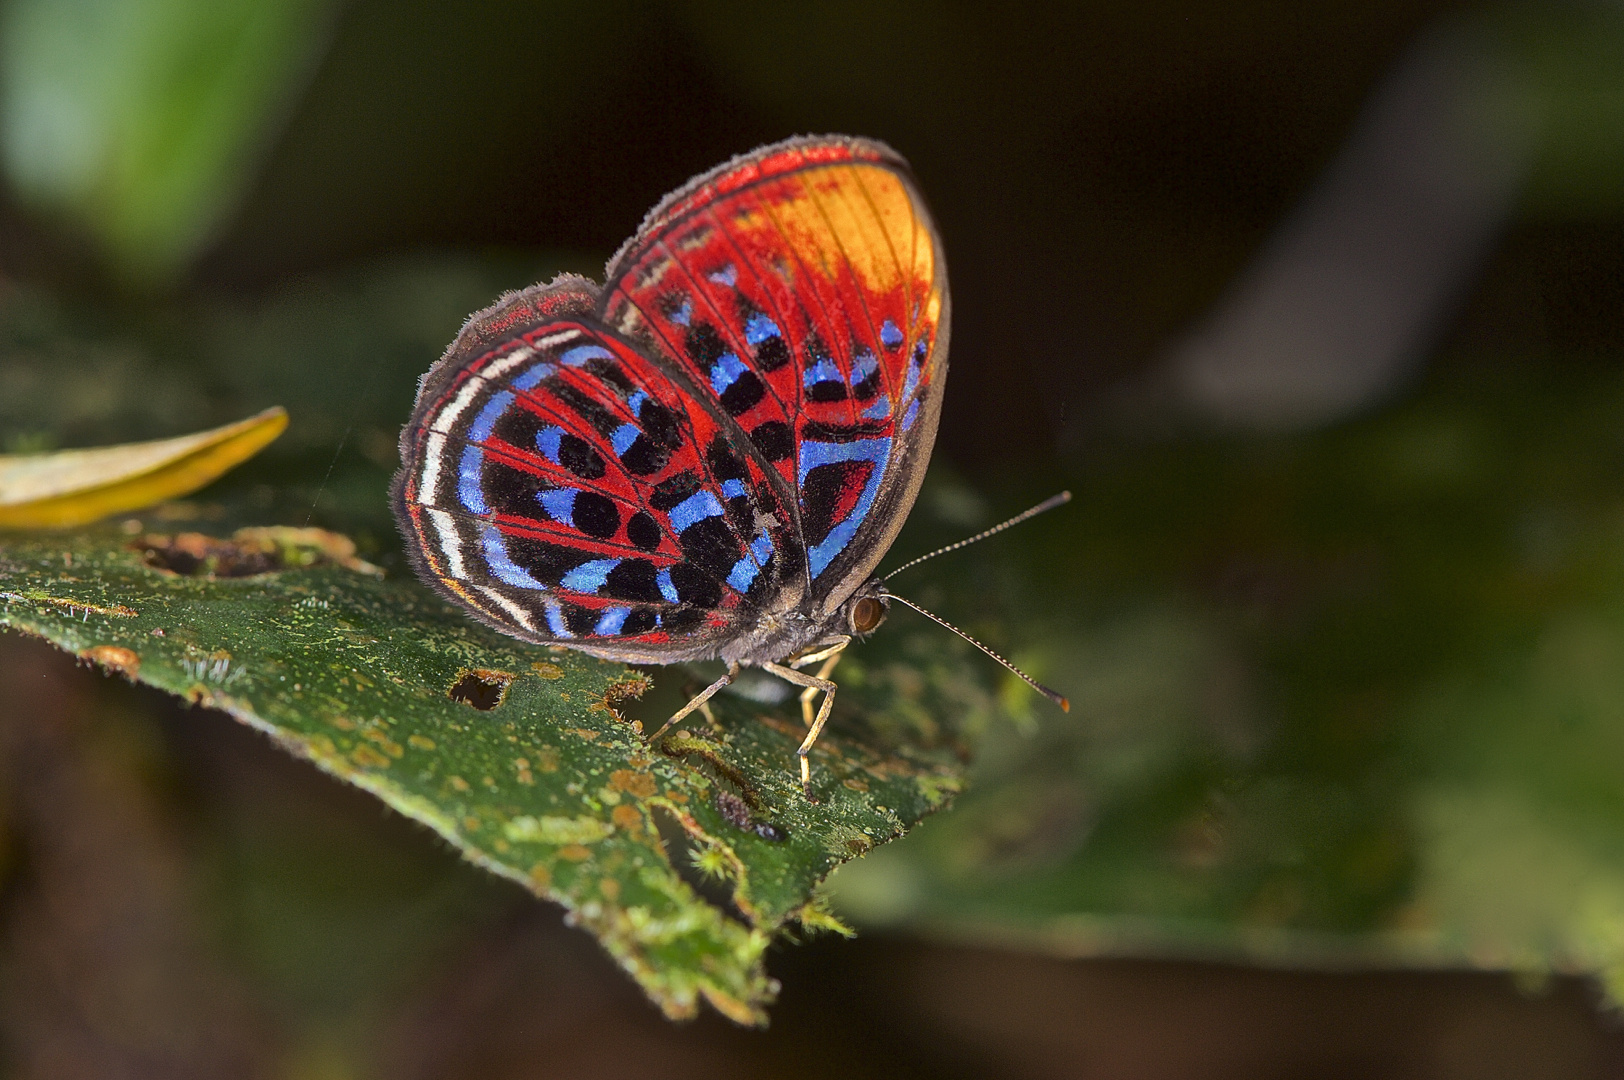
pixel 1064 496
pixel 1065 706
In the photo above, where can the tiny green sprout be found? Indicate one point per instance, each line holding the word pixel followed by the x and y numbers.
pixel 712 862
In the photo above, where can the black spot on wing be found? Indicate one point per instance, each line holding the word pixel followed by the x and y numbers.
pixel 545 562
pixel 772 354
pixel 632 579
pixel 684 619
pixel 743 395
pixel 826 490
pixel 774 439
pixel 577 455
pixel 827 390
pixel 643 531
pixel 519 426
pixel 659 425
pixel 705 346
pixel 579 620
pixel 644 457
pixel 673 490
pixel 710 545
pixel 696 587
pixel 510 490
pixel 724 463
pixel 638 621
pixel 596 515
pixel 593 412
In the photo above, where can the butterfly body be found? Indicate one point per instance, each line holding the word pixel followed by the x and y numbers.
pixel 705 457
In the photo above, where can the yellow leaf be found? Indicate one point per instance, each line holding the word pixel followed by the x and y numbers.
pixel 74 487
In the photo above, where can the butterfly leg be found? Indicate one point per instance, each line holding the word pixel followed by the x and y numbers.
pixel 801 678
pixel 698 701
pixel 830 657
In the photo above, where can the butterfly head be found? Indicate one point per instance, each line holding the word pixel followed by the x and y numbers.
pixel 866 609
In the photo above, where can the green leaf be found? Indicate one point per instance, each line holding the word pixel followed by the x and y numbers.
pixel 141 119
pixel 520 757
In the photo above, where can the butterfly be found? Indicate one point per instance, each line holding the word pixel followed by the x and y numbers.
pixel 705 457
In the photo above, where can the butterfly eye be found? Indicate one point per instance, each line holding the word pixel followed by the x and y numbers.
pixel 868 614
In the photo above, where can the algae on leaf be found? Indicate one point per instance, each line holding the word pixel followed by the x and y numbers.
pixel 521 757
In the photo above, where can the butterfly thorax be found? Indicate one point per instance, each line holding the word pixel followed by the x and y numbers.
pixel 780 636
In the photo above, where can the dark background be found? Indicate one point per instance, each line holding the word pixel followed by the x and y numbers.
pixel 1101 174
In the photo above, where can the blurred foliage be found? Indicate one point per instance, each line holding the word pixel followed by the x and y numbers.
pixel 139 121
pixel 1348 697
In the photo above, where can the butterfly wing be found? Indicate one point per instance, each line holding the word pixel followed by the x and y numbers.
pixel 562 486
pixel 802 290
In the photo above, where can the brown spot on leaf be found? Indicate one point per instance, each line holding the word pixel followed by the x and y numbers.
pixel 481 688
pixel 610 888
pixel 575 852
pixel 540 877
pixel 546 759
pixel 627 817
pixel 457 782
pixel 545 670
pixel 369 758
pixel 422 742
pixel 114 658
pixel 634 783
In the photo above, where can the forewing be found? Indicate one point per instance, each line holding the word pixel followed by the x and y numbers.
pixel 802 290
pixel 566 488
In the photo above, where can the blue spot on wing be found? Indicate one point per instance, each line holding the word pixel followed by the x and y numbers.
pixel 548 441
pixel 879 410
pixel 732 489
pixel 559 504
pixel 910 384
pixel 683 313
pixel 667 589
pixel 725 372
pixel 909 416
pixel 468 480
pixel 890 336
pixel 489 414
pixel 696 507
pixel 582 353
pixel 758 328
pixel 532 376
pixel 863 366
pixel 822 371
pixel 496 556
pixel 555 620
pixel 610 622
pixel 589 576
pixel 623 437
pixel 745 570
pixel 813 454
pixel 743 574
pixel 727 275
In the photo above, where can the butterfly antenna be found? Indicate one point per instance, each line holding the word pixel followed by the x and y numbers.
pixel 1053 695
pixel 1047 504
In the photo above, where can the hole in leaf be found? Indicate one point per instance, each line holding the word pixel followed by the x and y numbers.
pixel 705 870
pixel 248 552
pixel 196 555
pixel 482 688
